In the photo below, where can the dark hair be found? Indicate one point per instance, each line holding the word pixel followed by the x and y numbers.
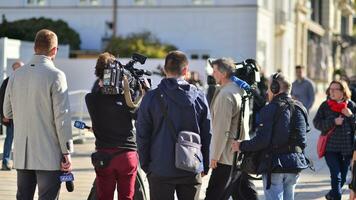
pixel 343 86
pixel 226 65
pixel 283 83
pixel 175 62
pixel 103 60
pixel 299 67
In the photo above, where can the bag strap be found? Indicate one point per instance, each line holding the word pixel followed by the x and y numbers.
pixel 165 114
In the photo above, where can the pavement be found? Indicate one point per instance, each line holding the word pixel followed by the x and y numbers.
pixel 311 185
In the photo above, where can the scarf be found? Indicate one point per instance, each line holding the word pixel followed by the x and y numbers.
pixel 335 106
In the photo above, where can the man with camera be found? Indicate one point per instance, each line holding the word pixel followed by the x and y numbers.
pixel 111 113
pixel 37 100
pixel 173 107
pixel 225 112
pixel 280 139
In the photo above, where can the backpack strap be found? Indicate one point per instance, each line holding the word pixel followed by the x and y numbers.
pixel 165 114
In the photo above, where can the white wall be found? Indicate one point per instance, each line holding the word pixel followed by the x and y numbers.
pixel 265 41
pixel 219 31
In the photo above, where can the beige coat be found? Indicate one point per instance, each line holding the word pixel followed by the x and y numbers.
pixel 225 110
pixel 36 99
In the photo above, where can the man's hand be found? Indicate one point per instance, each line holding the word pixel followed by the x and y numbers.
pixel 66 164
pixel 236 145
pixel 5 120
pixel 339 120
pixel 352 195
pixel 347 112
pixel 213 164
pixel 202 174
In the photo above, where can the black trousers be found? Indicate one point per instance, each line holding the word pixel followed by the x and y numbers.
pixel 243 188
pixel 48 183
pixel 163 188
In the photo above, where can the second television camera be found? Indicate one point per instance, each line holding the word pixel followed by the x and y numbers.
pixel 115 71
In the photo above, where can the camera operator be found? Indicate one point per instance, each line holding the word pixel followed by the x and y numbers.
pixel 113 129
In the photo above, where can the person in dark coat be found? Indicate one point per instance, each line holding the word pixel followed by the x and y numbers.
pixel 8 123
pixel 337 114
pixel 188 110
pixel 282 139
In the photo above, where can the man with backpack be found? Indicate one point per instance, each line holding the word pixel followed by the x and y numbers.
pixel 174 108
pixel 280 139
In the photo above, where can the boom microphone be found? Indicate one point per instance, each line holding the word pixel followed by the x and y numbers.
pixel 81 125
pixel 245 86
pixel 242 84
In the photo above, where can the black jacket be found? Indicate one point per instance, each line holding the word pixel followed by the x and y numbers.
pixel 111 121
pixel 2 97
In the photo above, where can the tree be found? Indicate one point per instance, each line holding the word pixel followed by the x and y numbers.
pixel 26 29
pixel 144 43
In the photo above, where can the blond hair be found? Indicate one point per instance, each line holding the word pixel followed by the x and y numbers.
pixel 45 41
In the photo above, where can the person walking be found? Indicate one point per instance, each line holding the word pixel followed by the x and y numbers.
pixel 37 100
pixel 6 159
pixel 303 88
pixel 186 110
pixel 337 114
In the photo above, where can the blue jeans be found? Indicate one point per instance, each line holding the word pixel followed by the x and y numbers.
pixel 8 143
pixel 282 186
pixel 338 167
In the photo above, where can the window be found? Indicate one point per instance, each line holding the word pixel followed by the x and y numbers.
pixel 202 2
pixel 36 2
pixel 89 2
pixel 144 2
pixel 316 10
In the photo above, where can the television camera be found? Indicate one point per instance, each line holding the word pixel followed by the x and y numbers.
pixel 113 78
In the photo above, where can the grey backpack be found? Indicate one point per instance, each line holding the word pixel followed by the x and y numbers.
pixel 188 154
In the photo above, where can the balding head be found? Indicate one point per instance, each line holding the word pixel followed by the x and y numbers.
pixel 17 65
pixel 46 43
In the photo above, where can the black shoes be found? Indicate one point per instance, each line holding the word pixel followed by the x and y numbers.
pixel 6 167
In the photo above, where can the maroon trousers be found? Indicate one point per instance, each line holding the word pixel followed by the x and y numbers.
pixel 121 171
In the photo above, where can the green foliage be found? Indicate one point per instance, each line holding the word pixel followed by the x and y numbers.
pixel 26 29
pixel 144 43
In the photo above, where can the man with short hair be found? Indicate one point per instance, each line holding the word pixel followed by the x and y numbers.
pixel 281 138
pixel 37 100
pixel 187 110
pixel 225 112
pixel 303 88
pixel 6 159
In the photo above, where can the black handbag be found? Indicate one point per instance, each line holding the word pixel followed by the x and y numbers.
pixel 101 159
pixel 251 162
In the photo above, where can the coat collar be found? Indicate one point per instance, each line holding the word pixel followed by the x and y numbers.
pixel 41 59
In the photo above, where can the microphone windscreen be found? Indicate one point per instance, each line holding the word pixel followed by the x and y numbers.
pixel 70 186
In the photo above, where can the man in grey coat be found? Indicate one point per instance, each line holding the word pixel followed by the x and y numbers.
pixel 225 112
pixel 36 99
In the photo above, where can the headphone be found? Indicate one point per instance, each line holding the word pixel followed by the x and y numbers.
pixel 275 87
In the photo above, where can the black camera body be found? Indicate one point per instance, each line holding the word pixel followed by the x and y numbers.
pixel 248 71
pixel 115 71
